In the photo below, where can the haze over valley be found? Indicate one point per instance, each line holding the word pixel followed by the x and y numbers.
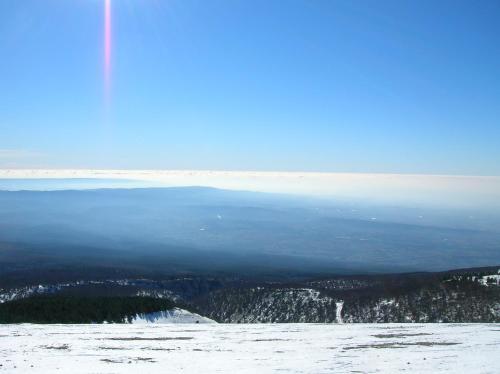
pixel 203 229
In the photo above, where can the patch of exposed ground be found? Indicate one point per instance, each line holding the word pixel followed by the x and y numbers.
pixel 111 361
pixel 112 348
pixel 61 347
pixel 399 335
pixel 136 338
pixel 400 345
pixel 144 359
pixel 128 360
pixel 271 340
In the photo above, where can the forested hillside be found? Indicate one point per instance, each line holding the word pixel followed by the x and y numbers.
pixel 61 309
pixel 457 296
pixel 405 298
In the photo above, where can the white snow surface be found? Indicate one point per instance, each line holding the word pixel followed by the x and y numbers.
pixel 489 280
pixel 174 315
pixel 243 348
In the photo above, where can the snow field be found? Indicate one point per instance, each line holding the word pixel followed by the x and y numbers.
pixel 250 348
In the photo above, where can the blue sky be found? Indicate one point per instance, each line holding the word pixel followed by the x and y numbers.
pixel 339 86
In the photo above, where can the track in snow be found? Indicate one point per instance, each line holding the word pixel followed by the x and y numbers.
pixel 266 348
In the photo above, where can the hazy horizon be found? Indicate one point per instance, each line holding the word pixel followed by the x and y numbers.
pixel 481 193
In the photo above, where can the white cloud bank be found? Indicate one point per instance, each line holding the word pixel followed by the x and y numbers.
pixel 458 191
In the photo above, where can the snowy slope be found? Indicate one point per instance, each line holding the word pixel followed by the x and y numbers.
pixel 175 315
pixel 250 348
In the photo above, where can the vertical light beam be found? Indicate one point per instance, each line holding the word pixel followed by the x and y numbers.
pixel 107 47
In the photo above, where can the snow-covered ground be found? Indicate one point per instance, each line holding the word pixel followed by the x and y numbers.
pixel 489 280
pixel 269 348
pixel 174 315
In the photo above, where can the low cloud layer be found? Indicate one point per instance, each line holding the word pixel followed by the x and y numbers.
pixel 455 191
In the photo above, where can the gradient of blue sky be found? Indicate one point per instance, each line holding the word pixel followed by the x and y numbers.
pixel 349 86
